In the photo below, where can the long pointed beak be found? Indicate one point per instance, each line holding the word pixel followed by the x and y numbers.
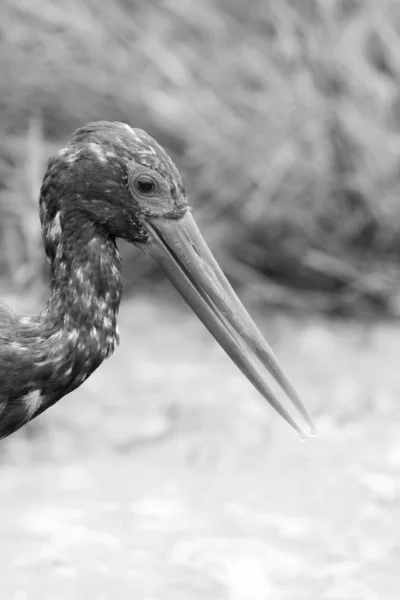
pixel 180 250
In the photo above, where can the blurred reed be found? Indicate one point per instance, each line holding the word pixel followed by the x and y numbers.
pixel 284 117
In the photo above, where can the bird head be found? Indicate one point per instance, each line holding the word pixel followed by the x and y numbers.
pixel 120 182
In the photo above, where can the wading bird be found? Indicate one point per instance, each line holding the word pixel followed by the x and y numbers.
pixel 112 181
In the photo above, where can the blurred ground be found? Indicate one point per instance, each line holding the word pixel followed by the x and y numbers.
pixel 165 476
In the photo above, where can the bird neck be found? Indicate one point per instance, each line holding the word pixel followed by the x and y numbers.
pixel 85 288
pixel 45 357
pixel 85 293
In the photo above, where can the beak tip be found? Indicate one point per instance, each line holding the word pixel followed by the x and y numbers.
pixel 312 426
pixel 179 248
pixel 312 432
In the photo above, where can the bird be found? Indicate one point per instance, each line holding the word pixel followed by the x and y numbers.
pixel 112 181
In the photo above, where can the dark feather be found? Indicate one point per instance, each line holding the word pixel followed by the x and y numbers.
pixel 85 204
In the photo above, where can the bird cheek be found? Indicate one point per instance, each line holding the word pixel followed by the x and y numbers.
pixel 159 205
pixel 133 231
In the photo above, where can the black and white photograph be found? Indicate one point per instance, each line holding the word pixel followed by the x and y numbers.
pixel 199 300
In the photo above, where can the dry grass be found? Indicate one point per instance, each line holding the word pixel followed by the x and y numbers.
pixel 283 115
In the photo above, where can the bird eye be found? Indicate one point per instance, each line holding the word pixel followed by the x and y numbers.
pixel 145 185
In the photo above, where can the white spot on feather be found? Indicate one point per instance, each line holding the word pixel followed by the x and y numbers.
pixel 94 334
pixel 32 402
pixel 73 335
pixel 103 306
pixel 114 271
pixel 150 150
pixel 56 337
pixel 54 230
pixel 110 340
pixel 107 324
pixel 131 131
pixel 62 268
pixel 80 275
pixel 98 151
pixel 71 158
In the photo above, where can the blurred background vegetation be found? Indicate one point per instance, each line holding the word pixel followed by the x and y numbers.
pixel 283 116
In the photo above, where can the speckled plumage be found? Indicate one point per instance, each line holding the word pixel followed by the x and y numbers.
pixel 85 204
pixel 112 181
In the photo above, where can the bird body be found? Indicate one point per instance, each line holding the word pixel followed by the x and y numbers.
pixel 110 181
